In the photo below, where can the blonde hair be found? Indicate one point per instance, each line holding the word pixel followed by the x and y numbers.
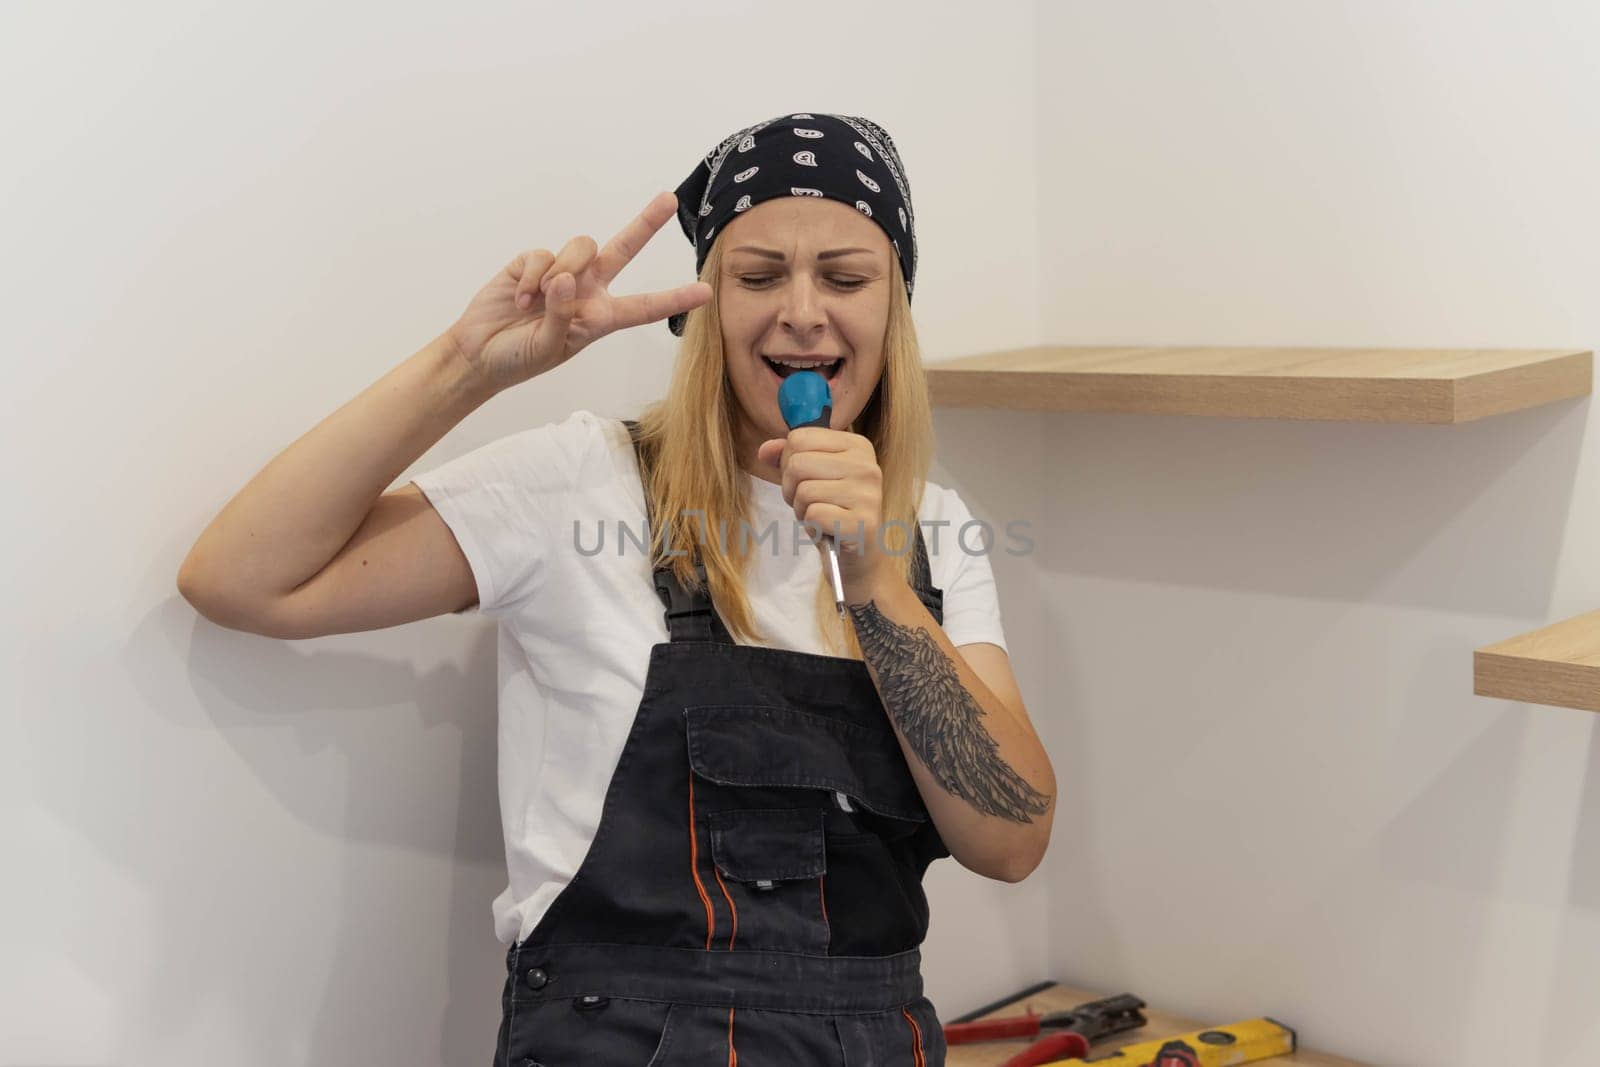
pixel 687 442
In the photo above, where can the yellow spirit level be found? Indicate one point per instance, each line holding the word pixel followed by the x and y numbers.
pixel 1220 1046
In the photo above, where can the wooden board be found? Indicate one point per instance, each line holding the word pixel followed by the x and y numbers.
pixel 1407 385
pixel 1060 998
pixel 1558 664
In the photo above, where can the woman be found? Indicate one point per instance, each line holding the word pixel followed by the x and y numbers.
pixel 717 816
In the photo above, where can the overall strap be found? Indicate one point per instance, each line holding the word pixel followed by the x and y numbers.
pixel 922 580
pixel 689 613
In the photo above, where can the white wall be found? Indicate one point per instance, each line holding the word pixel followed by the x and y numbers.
pixel 1248 643
pixel 1280 795
pixel 221 223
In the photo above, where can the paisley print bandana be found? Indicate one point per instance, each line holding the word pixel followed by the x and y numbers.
pixel 841 157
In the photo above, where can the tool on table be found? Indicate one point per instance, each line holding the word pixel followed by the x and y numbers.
pixel 1049 1050
pixel 1015 998
pixel 1220 1046
pixel 1092 1021
pixel 805 401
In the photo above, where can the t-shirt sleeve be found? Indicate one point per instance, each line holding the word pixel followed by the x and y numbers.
pixel 971 601
pixel 503 501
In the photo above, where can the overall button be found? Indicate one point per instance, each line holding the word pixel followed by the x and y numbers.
pixel 537 979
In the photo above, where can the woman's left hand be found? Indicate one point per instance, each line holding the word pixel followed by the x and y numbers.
pixel 832 479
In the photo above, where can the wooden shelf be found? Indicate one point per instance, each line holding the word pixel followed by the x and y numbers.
pixel 1415 385
pixel 1558 665
pixel 1159 1025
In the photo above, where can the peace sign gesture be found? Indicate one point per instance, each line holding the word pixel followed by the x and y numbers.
pixel 543 309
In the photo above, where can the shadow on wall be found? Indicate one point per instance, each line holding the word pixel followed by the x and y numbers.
pixel 392 771
pixel 1570 1023
pixel 1001 478
pixel 1361 513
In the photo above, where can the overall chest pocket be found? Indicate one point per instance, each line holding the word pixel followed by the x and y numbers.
pixel 802 814
pixel 771 748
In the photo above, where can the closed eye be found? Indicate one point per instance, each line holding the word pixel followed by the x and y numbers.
pixel 759 281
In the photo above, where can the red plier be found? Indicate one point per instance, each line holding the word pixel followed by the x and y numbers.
pixel 1079 1027
pixel 1064 1046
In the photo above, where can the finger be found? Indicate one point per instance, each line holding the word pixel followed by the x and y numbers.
pixel 822 439
pixel 814 466
pixel 574 257
pixel 800 490
pixel 770 452
pixel 528 270
pixel 812 493
pixel 649 307
pixel 620 250
pixel 827 518
pixel 561 301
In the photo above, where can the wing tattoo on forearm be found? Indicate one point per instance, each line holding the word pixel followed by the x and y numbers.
pixel 942 722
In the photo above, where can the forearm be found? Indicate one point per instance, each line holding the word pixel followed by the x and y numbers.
pixel 981 770
pixel 298 511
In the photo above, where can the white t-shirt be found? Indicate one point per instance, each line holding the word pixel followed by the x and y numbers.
pixel 576 625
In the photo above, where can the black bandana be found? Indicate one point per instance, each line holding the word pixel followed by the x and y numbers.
pixel 840 157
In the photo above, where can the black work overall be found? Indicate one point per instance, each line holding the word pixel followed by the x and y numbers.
pixel 754 885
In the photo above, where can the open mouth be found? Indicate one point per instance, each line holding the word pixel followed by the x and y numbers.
pixel 783 368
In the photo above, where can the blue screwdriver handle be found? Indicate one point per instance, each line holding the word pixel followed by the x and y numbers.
pixel 805 401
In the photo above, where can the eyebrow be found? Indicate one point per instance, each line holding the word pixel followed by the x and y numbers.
pixel 771 254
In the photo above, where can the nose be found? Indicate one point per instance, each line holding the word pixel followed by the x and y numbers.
pixel 801 311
